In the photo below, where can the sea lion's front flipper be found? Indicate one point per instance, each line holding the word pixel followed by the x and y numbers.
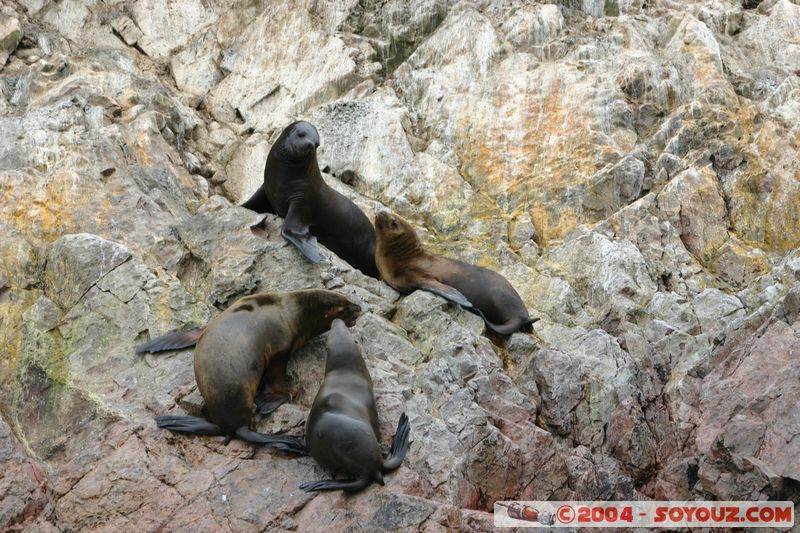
pixel 267 402
pixel 259 202
pixel 445 291
pixel 349 486
pixel 286 443
pixel 273 391
pixel 399 445
pixel 172 341
pixel 295 230
pixel 188 424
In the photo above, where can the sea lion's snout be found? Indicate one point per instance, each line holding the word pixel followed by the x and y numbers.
pixel 306 145
pixel 386 222
pixel 382 219
pixel 354 312
pixel 345 315
pixel 306 138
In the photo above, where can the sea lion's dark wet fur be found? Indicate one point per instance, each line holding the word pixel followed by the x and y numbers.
pixel 342 432
pixel 406 266
pixel 293 188
pixel 241 358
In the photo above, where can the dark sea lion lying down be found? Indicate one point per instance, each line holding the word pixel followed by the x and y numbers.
pixel 406 266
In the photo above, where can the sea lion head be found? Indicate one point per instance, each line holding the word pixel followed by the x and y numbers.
pixel 331 305
pixel 298 142
pixel 342 348
pixel 339 338
pixel 395 234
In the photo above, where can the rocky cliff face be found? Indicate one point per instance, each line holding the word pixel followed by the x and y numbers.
pixel 630 166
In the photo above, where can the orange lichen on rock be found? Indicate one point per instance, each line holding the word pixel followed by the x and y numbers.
pixel 44 207
pixel 538 158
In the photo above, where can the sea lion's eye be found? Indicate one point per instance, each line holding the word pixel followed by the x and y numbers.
pixel 301 134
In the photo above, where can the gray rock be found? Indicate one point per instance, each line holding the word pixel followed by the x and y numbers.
pixel 195 67
pixel 383 165
pixel 717 312
pixel 593 474
pixel 127 30
pixel 165 27
pixel 617 187
pixel 533 25
pixel 559 379
pixel 693 203
pixel 24 483
pixel 739 263
pixel 273 79
pixel 398 27
pixel 607 275
pixel 791 305
pixel 244 171
pixel 10 36
pixel 20 262
pixel 732 434
pixel 668 261
pixel 675 311
pixel 44 315
pixel 76 262
pixel 767 31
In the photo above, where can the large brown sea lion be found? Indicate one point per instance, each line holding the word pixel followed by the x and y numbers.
pixel 241 358
pixel 406 266
pixel 342 428
pixel 293 188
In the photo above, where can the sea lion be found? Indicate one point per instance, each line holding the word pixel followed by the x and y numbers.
pixel 406 266
pixel 241 358
pixel 293 188
pixel 342 428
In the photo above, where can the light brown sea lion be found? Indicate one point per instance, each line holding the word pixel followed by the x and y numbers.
pixel 342 431
pixel 241 358
pixel 406 266
pixel 293 188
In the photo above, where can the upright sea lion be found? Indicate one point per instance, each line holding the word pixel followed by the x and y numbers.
pixel 241 358
pixel 342 428
pixel 293 188
pixel 406 266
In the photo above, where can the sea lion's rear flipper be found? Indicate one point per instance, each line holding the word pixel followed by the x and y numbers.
pixel 527 325
pixel 512 326
pixel 295 230
pixel 188 424
pixel 172 341
pixel 399 445
pixel 286 443
pixel 259 202
pixel 349 486
pixel 445 291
